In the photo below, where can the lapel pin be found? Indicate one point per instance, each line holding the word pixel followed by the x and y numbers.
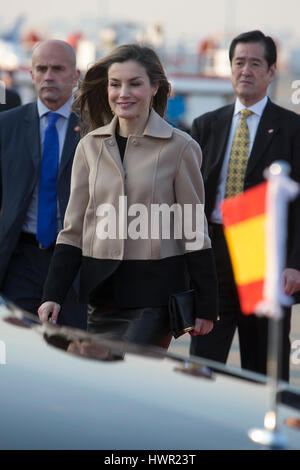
pixel 76 128
pixel 270 131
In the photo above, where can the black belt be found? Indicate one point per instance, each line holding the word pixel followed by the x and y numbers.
pixel 30 238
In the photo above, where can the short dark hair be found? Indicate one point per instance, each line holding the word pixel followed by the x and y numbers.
pixel 257 37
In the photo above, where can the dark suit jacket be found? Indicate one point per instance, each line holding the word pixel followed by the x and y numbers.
pixel 277 138
pixel 12 100
pixel 20 158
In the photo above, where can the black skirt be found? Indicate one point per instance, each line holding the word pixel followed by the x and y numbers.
pixel 145 326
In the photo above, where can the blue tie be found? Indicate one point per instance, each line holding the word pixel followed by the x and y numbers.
pixel 46 224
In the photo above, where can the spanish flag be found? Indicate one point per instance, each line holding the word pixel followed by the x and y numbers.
pixel 244 219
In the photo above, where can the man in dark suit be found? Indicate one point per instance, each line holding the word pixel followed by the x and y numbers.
pixel 32 206
pixel 273 133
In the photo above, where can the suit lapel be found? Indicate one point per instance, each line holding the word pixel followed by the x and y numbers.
pixel 31 121
pixel 220 129
pixel 266 131
pixel 71 140
pixel 32 134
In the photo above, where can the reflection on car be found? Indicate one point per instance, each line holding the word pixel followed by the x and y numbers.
pixel 63 388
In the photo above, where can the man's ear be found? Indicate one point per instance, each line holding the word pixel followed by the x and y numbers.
pixel 76 76
pixel 272 71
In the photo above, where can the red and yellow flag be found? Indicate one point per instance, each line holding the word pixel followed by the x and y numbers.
pixel 244 218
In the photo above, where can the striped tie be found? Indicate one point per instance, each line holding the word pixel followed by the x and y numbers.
pixel 238 157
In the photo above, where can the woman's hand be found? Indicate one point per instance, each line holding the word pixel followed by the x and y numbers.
pixel 49 308
pixel 291 281
pixel 202 327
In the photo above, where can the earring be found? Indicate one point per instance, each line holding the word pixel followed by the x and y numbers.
pixel 151 102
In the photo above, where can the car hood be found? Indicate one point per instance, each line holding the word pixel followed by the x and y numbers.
pixel 62 388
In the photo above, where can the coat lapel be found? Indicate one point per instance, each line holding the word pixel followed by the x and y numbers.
pixel 155 127
pixel 112 148
pixel 110 143
pixel 266 131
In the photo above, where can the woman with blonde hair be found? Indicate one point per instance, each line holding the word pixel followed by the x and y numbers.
pixel 126 224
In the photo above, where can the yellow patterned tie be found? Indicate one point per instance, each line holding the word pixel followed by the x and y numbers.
pixel 238 157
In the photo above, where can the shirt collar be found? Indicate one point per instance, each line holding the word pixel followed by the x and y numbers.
pixel 256 108
pixel 64 110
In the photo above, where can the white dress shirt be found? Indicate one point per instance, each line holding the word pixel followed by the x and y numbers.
pixel 252 122
pixel 30 223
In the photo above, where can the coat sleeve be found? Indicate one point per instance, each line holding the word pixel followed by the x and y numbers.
pixel 67 256
pixel 199 257
pixel 195 133
pixel 79 198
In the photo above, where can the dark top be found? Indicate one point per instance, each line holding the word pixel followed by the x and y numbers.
pixel 121 141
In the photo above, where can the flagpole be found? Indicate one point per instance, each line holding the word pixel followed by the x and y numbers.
pixel 281 190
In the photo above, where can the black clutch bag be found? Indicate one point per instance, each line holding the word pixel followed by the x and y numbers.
pixel 182 312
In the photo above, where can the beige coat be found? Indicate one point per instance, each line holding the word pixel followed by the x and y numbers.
pixel 160 167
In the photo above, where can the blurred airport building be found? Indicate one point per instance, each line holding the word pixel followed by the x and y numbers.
pixel 199 73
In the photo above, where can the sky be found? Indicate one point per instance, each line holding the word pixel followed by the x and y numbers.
pixel 179 18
